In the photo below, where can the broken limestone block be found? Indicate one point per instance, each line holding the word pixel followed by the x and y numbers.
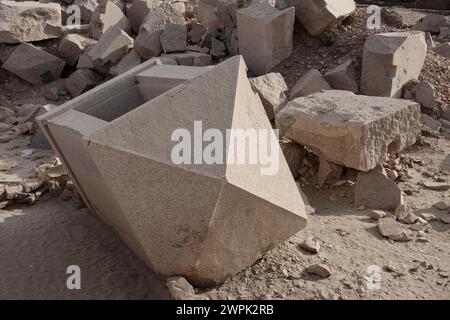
pixel 148 42
pixel 180 289
pixel 375 190
pixel 174 38
pixel 350 130
pixel 319 269
pixel 319 15
pixel 28 21
pixel 218 49
pixel 391 229
pixel 377 215
pixel 34 65
pixel 265 36
pixel 424 93
pixel 195 59
pixel 80 81
pixel 310 245
pixel 107 15
pixel 294 155
pixel 443 49
pixel 271 88
pixel 87 8
pixel 139 10
pixel 72 45
pixel 432 23
pixel 131 60
pixel 196 32
pixel 203 235
pixel 328 170
pixel 390 60
pixel 311 82
pixel 343 77
pixel 111 47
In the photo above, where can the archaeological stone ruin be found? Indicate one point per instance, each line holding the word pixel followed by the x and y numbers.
pixel 133 110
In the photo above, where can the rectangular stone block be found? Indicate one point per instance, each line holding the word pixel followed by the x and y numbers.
pixel 264 36
pixel 351 130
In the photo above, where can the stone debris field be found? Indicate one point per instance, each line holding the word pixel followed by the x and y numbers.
pixel 355 101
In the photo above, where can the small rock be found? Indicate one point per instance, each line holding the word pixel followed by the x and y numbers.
pixel 311 82
pixel 310 245
pixel 320 270
pixel 428 216
pixel 377 215
pixel 442 205
pixel 436 186
pixel 7 164
pixel 180 288
pixel 390 229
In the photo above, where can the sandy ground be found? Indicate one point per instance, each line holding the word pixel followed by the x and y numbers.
pixel 39 242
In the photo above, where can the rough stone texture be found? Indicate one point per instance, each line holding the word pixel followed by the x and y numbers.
pixel 87 8
pixel 148 42
pixel 343 77
pixel 34 65
pixel 311 82
pixel 196 32
pixel 72 46
pixel 28 21
pixel 80 81
pixel 375 190
pixel 203 235
pixel 443 49
pixel 432 23
pixel 174 38
pixel 129 61
pixel 139 10
pixel 111 47
pixel 327 170
pixel 318 15
pixel 264 36
pixel 271 89
pixel 424 94
pixel 391 229
pixel 294 155
pixel 319 269
pixel 196 59
pixel 180 289
pixel 107 15
pixel 350 130
pixel 218 13
pixel 390 60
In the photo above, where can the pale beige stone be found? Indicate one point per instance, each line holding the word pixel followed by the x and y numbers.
pixel 131 60
pixel 174 38
pixel 107 15
pixel 350 130
pixel 184 219
pixel 390 60
pixel 28 21
pixel 111 47
pixel 319 15
pixel 264 36
pixel 72 46
pixel 271 88
pixel 195 59
pixel 148 42
pixel 34 65
pixel 311 82
pixel 80 81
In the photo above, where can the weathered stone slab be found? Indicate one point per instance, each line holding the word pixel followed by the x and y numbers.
pixel 183 219
pixel 148 42
pixel 319 15
pixel 271 88
pixel 264 36
pixel 375 190
pixel 343 77
pixel 34 65
pixel 311 82
pixel 72 46
pixel 28 21
pixel 107 15
pixel 350 130
pixel 111 47
pixel 390 60
pixel 139 10
pixel 173 38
